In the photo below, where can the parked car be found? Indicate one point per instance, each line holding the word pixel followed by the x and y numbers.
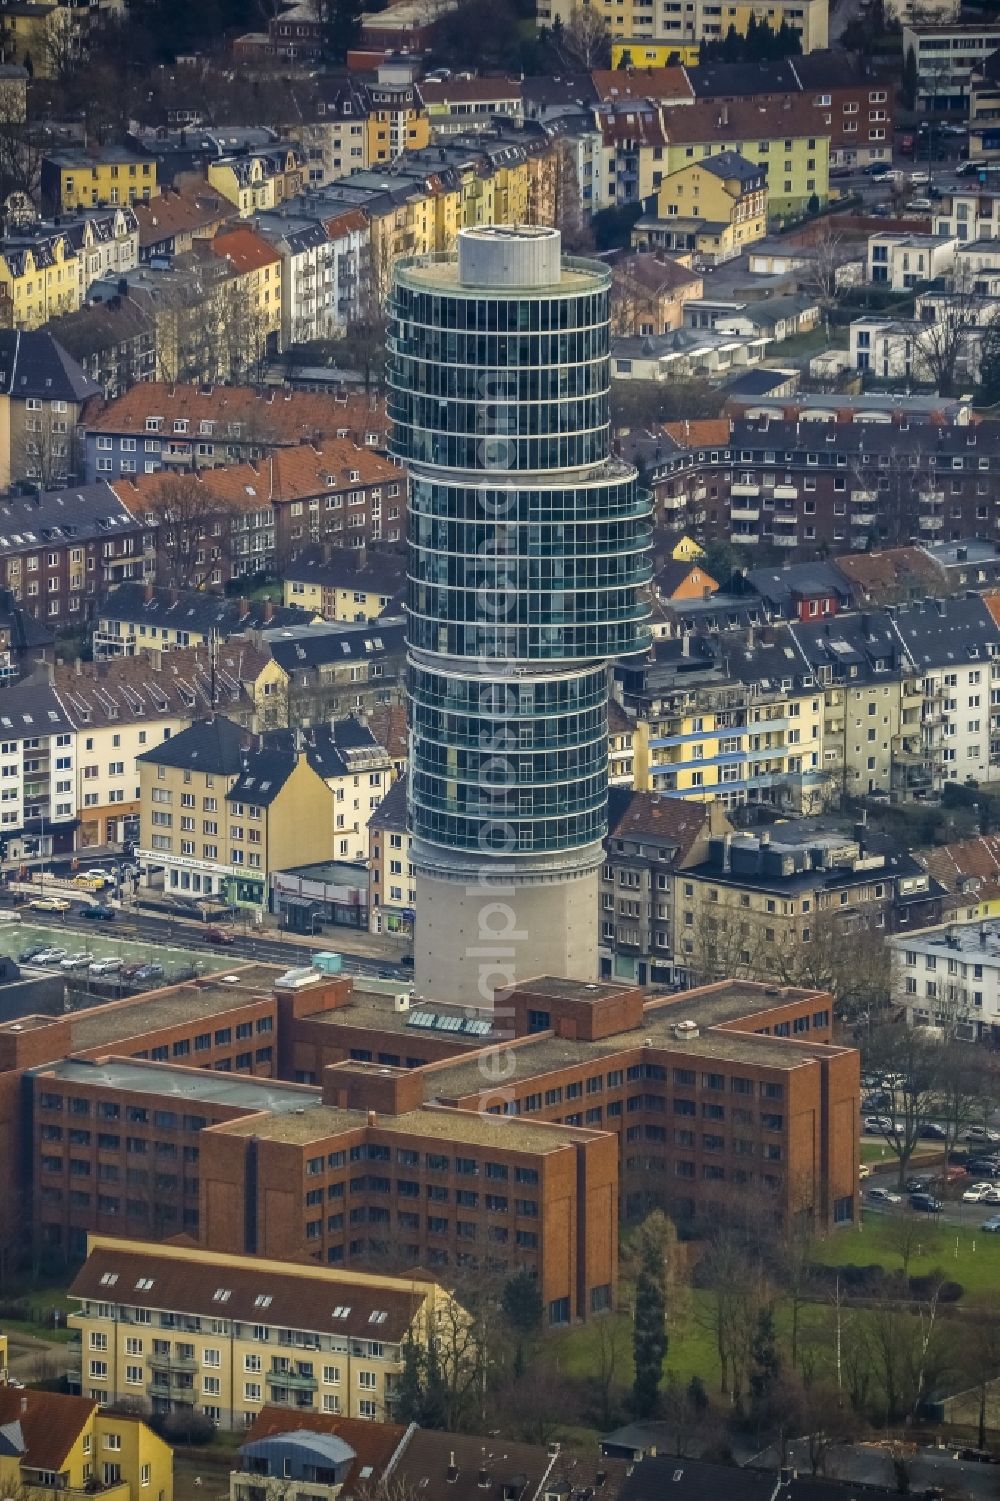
pixel 76 961
pixel 884 1196
pixel 50 956
pixel 218 936
pixel 407 961
pixel 984 1167
pixel 917 1185
pixel 865 1170
pixel 982 1133
pixel 925 1203
pixel 878 1123
pixel 31 952
pixel 149 972
pixel 931 1131
pixel 920 179
pixel 50 904
pixel 99 912
pixel 90 881
pixel 976 1192
pixel 877 1101
pixel 991 1226
pixel 105 967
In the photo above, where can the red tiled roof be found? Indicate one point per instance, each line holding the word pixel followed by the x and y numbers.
pixel 702 431
pixel 654 83
pixel 179 212
pixel 373 1443
pixel 653 813
pixel 268 417
pixel 50 1423
pixel 244 249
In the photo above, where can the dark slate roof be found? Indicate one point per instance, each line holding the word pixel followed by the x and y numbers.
pixel 339 748
pixel 264 774
pixel 391 811
pixel 74 514
pixel 305 647
pixel 25 631
pixel 864 647
pixel 101 325
pixel 780 586
pixel 343 569
pixel 32 707
pixel 193 610
pixel 35 364
pixel 693 1480
pixel 214 745
pixel 947 632
pixel 757 382
pixel 732 164
pixel 735 80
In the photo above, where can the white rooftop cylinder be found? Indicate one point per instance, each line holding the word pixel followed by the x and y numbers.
pixel 509 256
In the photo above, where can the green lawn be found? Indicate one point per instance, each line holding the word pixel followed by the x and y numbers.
pixel 968 1256
pixel 691 1351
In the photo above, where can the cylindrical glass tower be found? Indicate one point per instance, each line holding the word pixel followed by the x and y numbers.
pixel 528 547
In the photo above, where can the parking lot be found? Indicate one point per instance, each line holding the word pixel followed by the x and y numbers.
pixel 105 942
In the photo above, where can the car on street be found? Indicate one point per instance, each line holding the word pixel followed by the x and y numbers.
pixel 50 904
pixel 99 912
pixel 31 952
pixel 931 1131
pixel 406 962
pixel 982 1133
pixel 149 972
pixel 884 1196
pixel 218 936
pixel 90 881
pixel 50 956
pixel 920 179
pixel 984 1167
pixel 976 1192
pixel 991 1226
pixel 925 1203
pixel 878 1123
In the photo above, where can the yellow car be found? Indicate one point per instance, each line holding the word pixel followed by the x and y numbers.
pixel 49 904
pixel 89 883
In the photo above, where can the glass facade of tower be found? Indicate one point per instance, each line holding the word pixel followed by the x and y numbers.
pixel 528 545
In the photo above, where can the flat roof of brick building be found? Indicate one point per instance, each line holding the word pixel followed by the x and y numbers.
pixel 173 1007
pixel 196 1085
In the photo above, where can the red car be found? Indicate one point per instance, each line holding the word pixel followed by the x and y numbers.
pixel 218 936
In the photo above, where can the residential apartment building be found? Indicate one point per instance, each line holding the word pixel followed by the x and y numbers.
pixel 174 1327
pixel 784 136
pixel 947 54
pixel 61 551
pixel 949 977
pixel 219 816
pixel 756 902
pixel 243 520
pixel 849 101
pixel 392 893
pixel 54 1443
pixel 332 669
pixel 77 179
pixel 258 180
pixel 661 31
pixel 113 342
pixel 650 837
pixel 967 214
pixel 162 425
pixel 648 293
pixel 38 780
pixel 340 584
pixel 123 706
pixel 178 218
pixel 40 278
pixel 902 261
pixel 802 486
pixel 722 200
pixel 140 617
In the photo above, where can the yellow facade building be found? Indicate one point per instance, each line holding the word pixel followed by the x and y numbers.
pixel 74 180
pixel 171 1328
pixel 259 181
pixel 724 198
pixel 220 815
pixel 40 278
pixel 56 1444
pixel 667 30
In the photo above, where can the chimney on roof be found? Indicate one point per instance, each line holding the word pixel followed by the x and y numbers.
pixel 268 609
pixel 78 667
pixel 451 1473
pixel 148 592
pixel 174 596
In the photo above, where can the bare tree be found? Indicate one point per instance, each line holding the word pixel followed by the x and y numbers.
pixel 911 1063
pixel 831 252
pixel 738 1292
pixel 44 449
pixel 585 42
pixel 909 1234
pixel 194 529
